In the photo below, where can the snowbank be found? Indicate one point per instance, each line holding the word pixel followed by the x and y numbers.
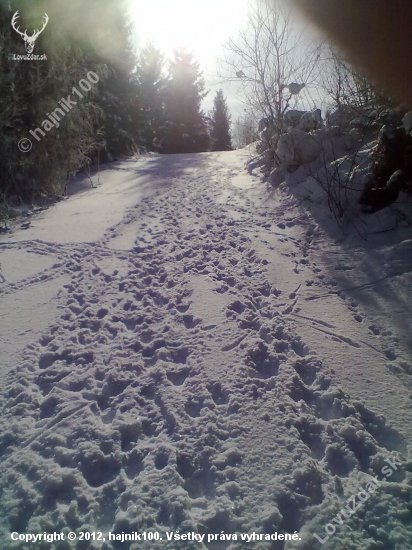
pixel 296 147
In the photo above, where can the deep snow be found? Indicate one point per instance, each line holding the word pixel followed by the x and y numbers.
pixel 183 348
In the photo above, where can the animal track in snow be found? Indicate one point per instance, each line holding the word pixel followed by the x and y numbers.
pixel 135 397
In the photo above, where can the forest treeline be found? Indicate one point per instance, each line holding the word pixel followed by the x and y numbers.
pixel 133 101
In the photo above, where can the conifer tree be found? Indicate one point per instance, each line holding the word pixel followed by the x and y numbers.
pixel 119 93
pixel 220 122
pixel 30 91
pixel 187 130
pixel 151 89
pixel 80 38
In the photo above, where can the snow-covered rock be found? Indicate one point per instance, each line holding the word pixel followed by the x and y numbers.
pixel 352 139
pixel 407 121
pixel 292 117
pixel 296 148
pixel 341 117
pixel 306 121
pixel 312 120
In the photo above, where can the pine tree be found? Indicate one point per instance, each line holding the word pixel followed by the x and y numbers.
pixel 152 85
pixel 220 122
pixel 187 128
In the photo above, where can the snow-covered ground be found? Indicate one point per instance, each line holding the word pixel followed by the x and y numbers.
pixel 185 349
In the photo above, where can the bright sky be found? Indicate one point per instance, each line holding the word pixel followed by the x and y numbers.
pixel 201 26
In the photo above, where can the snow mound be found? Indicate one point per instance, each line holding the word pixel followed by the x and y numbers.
pixel 296 147
pixel 407 121
pixel 398 258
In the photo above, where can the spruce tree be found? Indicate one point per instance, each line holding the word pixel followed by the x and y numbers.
pixel 81 38
pixel 220 123
pixel 152 86
pixel 187 130
pixel 119 93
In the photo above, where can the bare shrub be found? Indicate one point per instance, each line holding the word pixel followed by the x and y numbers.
pixel 267 56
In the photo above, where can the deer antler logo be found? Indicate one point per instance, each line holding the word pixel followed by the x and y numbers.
pixel 29 40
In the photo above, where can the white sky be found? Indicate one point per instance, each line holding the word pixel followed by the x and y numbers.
pixel 201 26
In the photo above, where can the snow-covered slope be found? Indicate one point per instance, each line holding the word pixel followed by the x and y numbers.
pixel 186 350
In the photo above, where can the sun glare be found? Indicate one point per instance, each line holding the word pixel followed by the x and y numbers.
pixel 198 25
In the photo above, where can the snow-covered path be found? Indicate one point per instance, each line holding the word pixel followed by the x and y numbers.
pixel 184 350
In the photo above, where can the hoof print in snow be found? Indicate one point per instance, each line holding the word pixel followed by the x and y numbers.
pixel 299 392
pixel 291 510
pixel 385 435
pixel 238 307
pixel 48 407
pixel 261 360
pixel 182 308
pixel 391 355
pixel 308 483
pixel 340 461
pixel 307 370
pixel 299 347
pixel 218 522
pixel 47 360
pixel 197 475
pixel 219 395
pixel 360 443
pixel 98 469
pixel 177 378
pixel 310 433
pixel 129 434
pixel 190 322
pixel 162 459
pixel 134 464
pixel 179 355
pixel 194 406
